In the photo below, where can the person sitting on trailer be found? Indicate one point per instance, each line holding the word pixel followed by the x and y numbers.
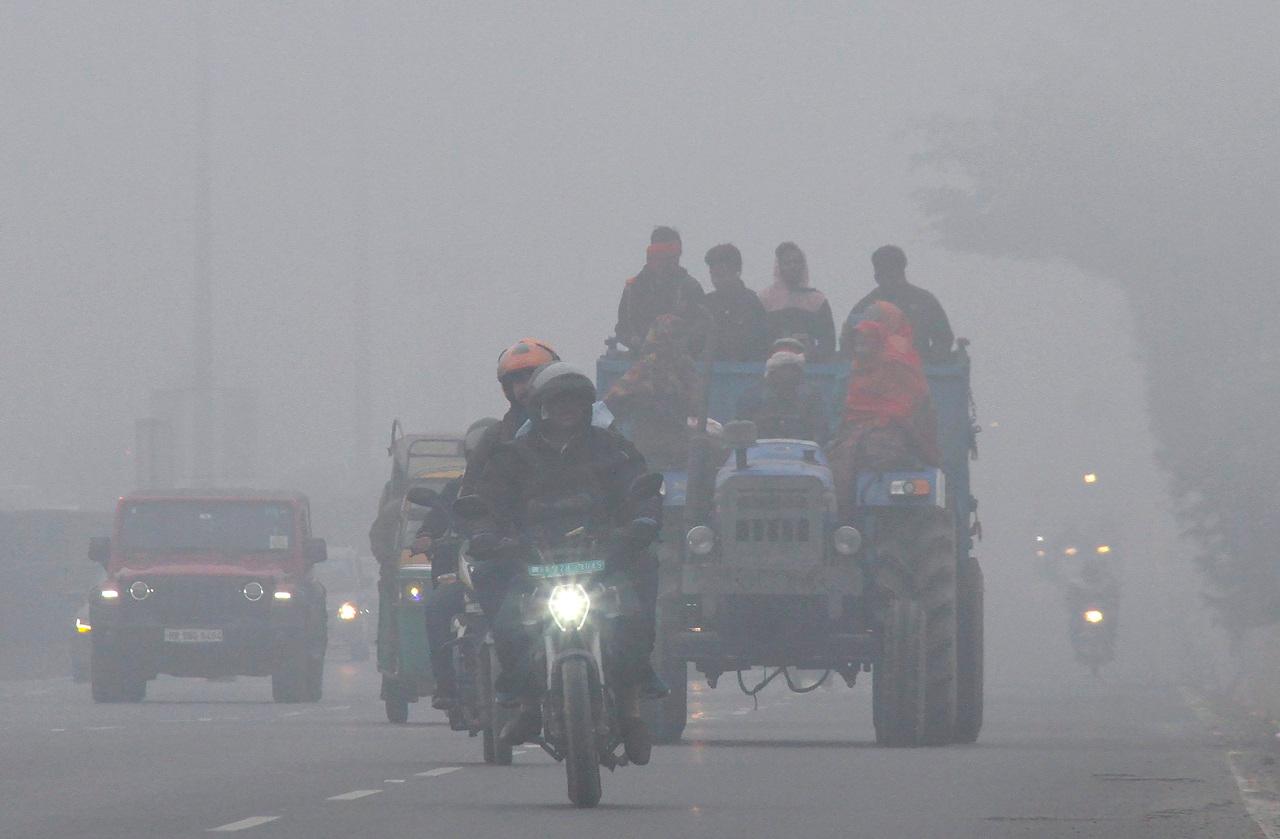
pixel 888 420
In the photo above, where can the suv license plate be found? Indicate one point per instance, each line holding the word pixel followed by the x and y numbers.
pixel 193 636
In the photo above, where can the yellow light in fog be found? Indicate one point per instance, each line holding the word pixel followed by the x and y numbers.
pixel 1104 549
pixel 1093 616
pixel 347 612
pixel 1091 478
pixel 1071 552
pixel 82 627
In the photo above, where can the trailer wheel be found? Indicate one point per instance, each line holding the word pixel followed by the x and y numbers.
pixel 969 651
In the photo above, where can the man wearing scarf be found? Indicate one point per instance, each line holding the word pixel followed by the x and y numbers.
pixel 662 287
pixel 795 308
pixel 784 405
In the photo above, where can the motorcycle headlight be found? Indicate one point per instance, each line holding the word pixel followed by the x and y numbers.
pixel 569 605
pixel 700 540
pixel 347 611
pixel 846 540
pixel 414 592
pixel 1093 616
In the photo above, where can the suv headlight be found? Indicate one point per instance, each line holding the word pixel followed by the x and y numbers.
pixel 569 605
pixel 140 590
pixel 846 540
pixel 700 540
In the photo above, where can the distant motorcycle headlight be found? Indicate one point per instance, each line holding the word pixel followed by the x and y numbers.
pixel 253 591
pixel 569 605
pixel 347 611
pixel 846 540
pixel 413 591
pixel 1093 616
pixel 140 590
pixel 700 540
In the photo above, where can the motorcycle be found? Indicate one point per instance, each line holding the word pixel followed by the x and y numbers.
pixel 1092 636
pixel 572 608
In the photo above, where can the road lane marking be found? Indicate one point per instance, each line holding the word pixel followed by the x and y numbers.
pixel 435 773
pixel 393 781
pixel 354 794
pixel 102 727
pixel 205 719
pixel 243 824
pixel 57 729
pixel 1262 807
pixel 741 712
pixel 291 714
pixel 338 708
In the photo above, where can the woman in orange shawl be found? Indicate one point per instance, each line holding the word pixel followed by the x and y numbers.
pixel 888 420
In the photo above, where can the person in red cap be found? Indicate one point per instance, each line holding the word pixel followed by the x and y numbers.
pixel 662 287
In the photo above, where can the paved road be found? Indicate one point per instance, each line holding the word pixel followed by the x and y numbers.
pixel 1059 757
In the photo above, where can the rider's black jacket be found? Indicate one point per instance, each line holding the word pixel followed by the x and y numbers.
pixel 540 489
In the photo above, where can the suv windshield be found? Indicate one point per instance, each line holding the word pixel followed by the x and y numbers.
pixel 226 526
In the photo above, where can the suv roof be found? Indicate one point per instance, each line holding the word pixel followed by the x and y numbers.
pixel 230 493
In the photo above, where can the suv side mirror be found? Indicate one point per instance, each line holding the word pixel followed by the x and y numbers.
pixel 316 551
pixel 100 550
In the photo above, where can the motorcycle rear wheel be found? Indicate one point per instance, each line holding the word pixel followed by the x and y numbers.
pixel 582 759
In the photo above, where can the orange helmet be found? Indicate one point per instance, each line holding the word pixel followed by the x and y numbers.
pixel 525 354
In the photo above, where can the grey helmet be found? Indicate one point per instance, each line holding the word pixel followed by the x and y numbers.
pixel 557 379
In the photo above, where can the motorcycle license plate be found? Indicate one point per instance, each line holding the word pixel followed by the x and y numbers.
pixel 567 569
pixel 193 636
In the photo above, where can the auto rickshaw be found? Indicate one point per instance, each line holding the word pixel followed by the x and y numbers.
pixel 404 656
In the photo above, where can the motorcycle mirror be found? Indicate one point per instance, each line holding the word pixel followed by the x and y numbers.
pixel 422 496
pixel 646 485
pixel 471 507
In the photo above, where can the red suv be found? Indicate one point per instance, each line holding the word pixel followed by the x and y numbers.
pixel 209 583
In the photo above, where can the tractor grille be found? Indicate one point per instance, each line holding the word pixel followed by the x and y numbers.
pixel 777 519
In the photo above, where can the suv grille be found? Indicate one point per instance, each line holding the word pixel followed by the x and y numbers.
pixel 187 601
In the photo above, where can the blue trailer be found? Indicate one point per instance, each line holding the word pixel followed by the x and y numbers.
pixel 766 573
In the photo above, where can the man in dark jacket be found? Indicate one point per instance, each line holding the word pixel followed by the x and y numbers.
pixel 564 474
pixel 784 405
pixel 932 330
pixel 662 287
pixel 737 315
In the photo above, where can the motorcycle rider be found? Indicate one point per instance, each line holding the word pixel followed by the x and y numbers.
pixel 448 596
pixel 564 473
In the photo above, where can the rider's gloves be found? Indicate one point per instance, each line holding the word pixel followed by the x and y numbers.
pixel 642 531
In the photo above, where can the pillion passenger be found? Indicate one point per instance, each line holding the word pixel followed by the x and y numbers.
pixel 741 330
pixel 933 336
pixel 662 287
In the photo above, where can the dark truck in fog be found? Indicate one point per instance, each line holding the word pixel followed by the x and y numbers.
pixel 208 583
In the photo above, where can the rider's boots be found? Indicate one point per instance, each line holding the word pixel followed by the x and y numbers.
pixel 636 740
pixel 525 726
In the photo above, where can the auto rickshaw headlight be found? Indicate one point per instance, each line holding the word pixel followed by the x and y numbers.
pixel 347 611
pixel 846 540
pixel 414 592
pixel 700 540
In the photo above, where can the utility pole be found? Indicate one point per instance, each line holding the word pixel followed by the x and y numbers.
pixel 202 380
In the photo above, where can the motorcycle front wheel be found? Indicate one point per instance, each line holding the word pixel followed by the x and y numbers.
pixel 582 760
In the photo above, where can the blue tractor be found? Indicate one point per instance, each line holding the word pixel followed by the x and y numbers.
pixel 759 570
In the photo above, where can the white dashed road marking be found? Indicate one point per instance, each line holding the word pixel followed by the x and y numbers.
pixel 291 714
pixel 102 727
pixel 354 794
pixel 394 781
pixel 243 824
pixel 434 773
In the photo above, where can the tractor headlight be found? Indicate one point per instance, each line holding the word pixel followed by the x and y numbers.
pixel 1093 616
pixel 347 611
pixel 569 605
pixel 701 540
pixel 846 540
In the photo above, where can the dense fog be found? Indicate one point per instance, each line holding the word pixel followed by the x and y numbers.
pixel 1091 196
